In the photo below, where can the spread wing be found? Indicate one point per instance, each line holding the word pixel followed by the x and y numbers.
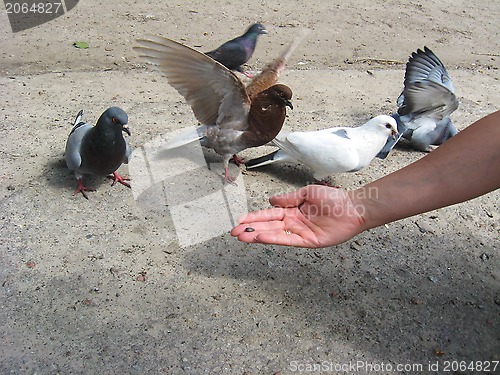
pixel 269 76
pixel 215 94
pixel 425 65
pixel 428 98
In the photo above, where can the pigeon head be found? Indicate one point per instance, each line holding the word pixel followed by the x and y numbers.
pixel 387 124
pixel 256 29
pixel 116 118
pixel 281 94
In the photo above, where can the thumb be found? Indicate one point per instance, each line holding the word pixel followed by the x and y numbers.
pixel 292 199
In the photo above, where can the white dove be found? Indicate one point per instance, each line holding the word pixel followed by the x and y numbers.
pixel 334 150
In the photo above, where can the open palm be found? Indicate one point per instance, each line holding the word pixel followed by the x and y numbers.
pixel 313 216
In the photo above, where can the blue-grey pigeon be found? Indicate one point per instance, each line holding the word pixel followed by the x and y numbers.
pixel 333 150
pixel 98 150
pixel 425 105
pixel 236 52
pixel 232 117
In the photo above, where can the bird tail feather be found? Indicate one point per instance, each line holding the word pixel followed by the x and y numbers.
pixel 78 118
pixel 187 136
pixel 261 161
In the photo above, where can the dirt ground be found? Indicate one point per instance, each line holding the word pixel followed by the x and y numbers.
pixel 106 286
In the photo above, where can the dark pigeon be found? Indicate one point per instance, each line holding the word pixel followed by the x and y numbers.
pixel 232 117
pixel 98 150
pixel 236 52
pixel 425 105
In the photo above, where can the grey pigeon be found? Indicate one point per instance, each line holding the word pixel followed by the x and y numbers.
pixel 98 150
pixel 425 105
pixel 233 117
pixel 236 52
pixel 334 150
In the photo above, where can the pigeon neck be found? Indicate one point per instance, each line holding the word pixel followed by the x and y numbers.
pixel 107 131
pixel 250 40
pixel 265 120
pixel 106 139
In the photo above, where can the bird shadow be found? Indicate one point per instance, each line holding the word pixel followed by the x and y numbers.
pixel 295 175
pixel 60 177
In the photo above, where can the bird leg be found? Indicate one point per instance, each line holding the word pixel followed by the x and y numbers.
pixel 228 178
pixel 82 189
pixel 117 178
pixel 246 74
pixel 238 161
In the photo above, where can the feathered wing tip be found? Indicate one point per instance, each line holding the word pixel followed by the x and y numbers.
pixel 425 65
pixel 298 39
pixel 269 76
pixel 153 49
pixel 186 136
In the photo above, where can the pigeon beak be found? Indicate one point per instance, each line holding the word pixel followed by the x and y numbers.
pixel 288 103
pixel 394 133
pixel 125 129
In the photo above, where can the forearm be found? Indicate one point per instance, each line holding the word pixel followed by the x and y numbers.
pixel 466 166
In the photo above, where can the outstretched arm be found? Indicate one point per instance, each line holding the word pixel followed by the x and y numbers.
pixel 464 167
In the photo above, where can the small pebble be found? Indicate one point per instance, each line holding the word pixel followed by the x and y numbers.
pixel 249 229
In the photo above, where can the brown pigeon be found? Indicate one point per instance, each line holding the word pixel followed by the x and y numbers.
pixel 232 117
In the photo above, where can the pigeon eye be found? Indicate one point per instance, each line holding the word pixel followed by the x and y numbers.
pixel 114 119
pixel 388 126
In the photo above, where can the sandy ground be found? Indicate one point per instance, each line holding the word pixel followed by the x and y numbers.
pixel 106 286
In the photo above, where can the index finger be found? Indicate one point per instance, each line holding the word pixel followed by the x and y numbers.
pixel 269 214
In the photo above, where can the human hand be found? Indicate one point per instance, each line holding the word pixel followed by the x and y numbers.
pixel 313 216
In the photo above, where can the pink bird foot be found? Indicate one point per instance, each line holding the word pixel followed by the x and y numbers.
pixel 117 178
pixel 82 189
